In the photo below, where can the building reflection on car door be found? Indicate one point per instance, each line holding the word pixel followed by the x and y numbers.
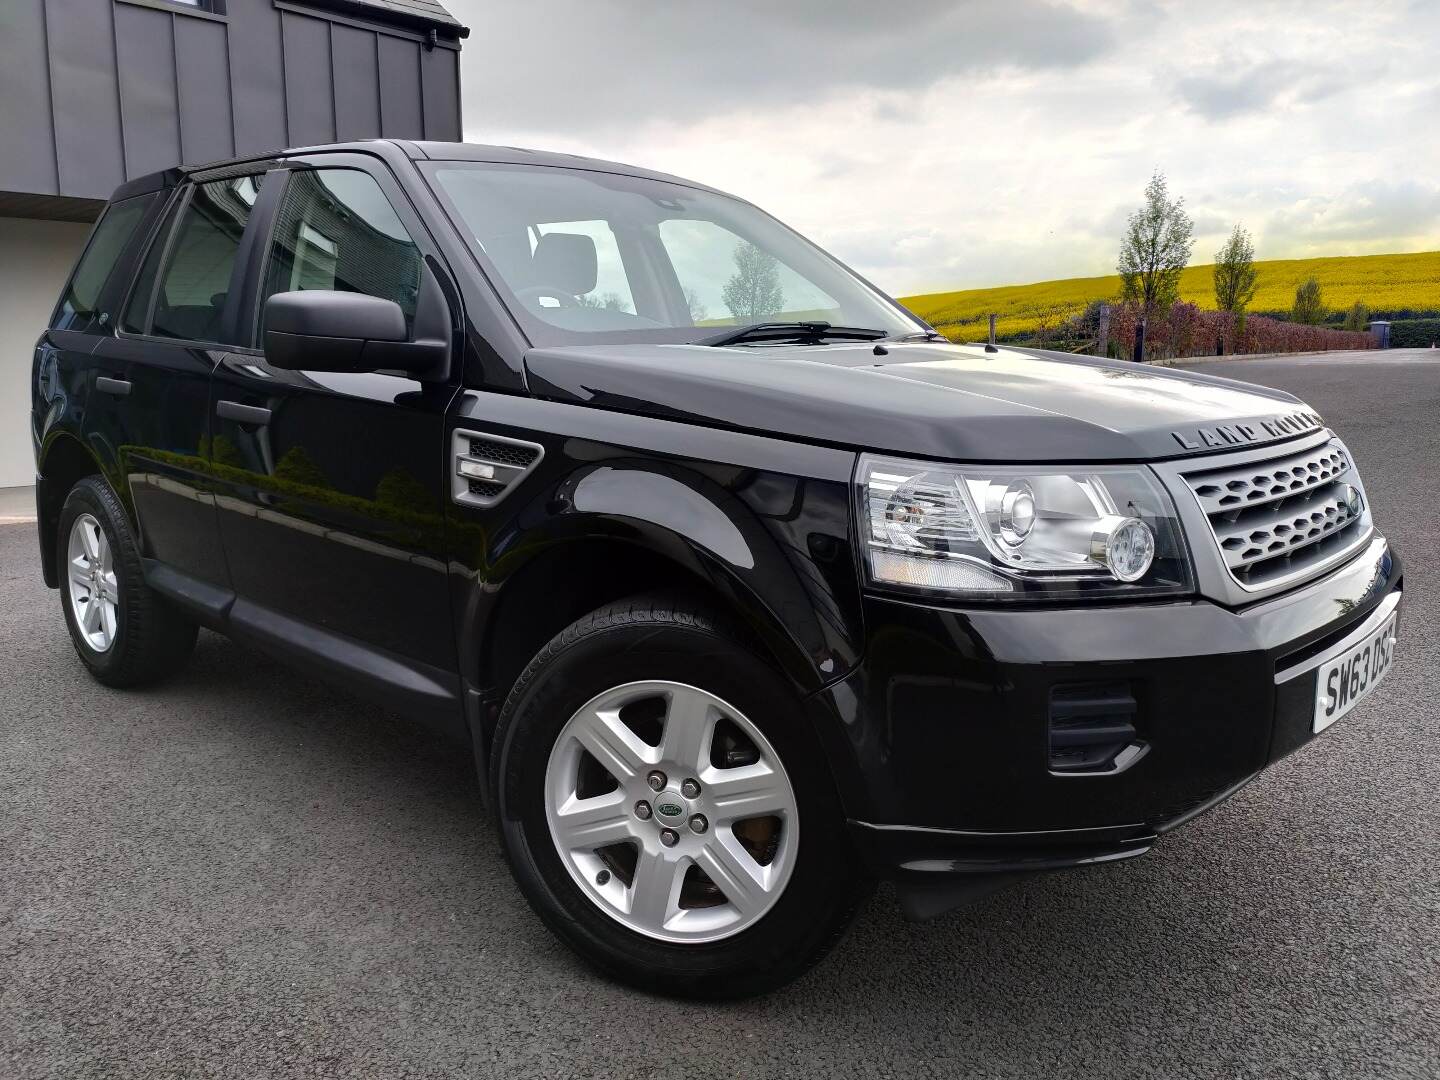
pixel 330 485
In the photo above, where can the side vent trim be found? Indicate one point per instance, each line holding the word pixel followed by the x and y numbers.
pixel 487 467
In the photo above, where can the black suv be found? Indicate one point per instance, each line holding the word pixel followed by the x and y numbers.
pixel 744 586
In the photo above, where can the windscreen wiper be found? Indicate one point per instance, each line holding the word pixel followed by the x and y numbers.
pixel 792 331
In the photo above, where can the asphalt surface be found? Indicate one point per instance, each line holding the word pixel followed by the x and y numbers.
pixel 243 874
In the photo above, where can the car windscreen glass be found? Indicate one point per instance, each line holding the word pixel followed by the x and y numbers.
pixel 586 257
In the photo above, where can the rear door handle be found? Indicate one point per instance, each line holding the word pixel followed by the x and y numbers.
pixel 107 385
pixel 243 414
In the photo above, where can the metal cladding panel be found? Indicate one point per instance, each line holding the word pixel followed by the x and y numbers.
pixel 402 110
pixel 149 106
pixel 202 64
pixel 97 92
pixel 440 83
pixel 257 76
pixel 27 162
pixel 356 73
pixel 88 141
pixel 309 91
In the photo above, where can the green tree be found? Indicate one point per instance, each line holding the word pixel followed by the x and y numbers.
pixel 753 294
pixel 398 488
pixel 1358 317
pixel 1309 303
pixel 1154 250
pixel 1235 272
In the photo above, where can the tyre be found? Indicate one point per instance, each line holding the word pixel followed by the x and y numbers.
pixel 666 809
pixel 125 632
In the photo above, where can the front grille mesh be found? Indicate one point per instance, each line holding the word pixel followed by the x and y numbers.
pixel 1278 517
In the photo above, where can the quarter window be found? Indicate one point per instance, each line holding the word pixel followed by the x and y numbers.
pixel 114 232
pixel 337 230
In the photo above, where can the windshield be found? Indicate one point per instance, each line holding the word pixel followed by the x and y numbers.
pixel 588 257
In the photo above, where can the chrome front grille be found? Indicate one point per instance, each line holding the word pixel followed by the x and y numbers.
pixel 1278 517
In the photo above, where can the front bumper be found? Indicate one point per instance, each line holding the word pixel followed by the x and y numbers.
pixel 943 738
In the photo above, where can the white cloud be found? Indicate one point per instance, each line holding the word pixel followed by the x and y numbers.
pixel 944 145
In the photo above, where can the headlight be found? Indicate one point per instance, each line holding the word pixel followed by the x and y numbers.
pixel 1020 533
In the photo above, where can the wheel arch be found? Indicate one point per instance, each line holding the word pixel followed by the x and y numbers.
pixel 626 528
pixel 572 578
pixel 63 462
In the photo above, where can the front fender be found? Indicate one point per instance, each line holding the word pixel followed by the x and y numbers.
pixel 764 523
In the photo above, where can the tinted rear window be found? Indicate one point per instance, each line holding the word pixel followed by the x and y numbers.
pixel 112 235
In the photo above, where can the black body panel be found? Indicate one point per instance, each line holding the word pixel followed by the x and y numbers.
pixel 930 400
pixel 941 733
pixel 157 437
pixel 341 487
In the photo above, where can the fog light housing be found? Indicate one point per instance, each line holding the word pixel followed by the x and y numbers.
pixel 1124 546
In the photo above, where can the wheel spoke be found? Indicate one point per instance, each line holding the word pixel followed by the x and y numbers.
pixel 109 587
pixel 90 614
pixel 655 889
pixel 80 572
pixel 746 792
pixel 586 824
pixel 689 724
pixel 89 538
pixel 733 871
pixel 612 743
pixel 107 620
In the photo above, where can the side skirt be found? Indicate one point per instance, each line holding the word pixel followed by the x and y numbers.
pixel 428 694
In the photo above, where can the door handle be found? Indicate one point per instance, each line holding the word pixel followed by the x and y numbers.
pixel 107 385
pixel 243 414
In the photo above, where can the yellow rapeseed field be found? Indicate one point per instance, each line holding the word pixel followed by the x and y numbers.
pixel 1384 282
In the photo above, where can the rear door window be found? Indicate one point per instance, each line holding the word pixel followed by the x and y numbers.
pixel 199 269
pixel 112 236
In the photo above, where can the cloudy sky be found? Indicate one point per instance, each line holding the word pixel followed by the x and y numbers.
pixel 943 145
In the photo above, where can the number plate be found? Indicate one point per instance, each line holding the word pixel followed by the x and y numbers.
pixel 1348 678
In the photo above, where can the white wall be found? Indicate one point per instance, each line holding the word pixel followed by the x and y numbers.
pixel 35 260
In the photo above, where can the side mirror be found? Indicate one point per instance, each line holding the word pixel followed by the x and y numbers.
pixel 320 330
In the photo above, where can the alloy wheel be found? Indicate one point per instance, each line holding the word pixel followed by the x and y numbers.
pixel 671 811
pixel 94 589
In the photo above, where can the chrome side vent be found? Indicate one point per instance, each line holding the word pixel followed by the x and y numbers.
pixel 488 466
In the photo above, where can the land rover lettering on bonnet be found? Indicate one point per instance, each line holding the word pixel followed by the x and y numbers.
pixel 1238 434
pixel 741 597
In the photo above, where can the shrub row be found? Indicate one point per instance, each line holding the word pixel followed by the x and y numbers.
pixel 1414 333
pixel 1189 330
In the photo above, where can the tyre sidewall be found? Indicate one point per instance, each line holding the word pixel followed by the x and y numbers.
pixel 819 896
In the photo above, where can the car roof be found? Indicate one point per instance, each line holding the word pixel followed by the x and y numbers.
pixel 415 151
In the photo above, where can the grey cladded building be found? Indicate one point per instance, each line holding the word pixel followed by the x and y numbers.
pixel 97 92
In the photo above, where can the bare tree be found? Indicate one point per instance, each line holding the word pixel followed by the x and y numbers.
pixel 610 301
pixel 1155 249
pixel 753 293
pixel 698 312
pixel 1309 303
